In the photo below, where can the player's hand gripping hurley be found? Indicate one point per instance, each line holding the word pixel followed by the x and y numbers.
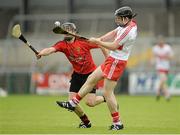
pixel 16 32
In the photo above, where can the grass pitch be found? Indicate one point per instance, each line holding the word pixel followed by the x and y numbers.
pixel 27 114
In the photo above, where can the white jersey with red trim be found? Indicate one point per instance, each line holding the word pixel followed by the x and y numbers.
pixel 161 53
pixel 125 38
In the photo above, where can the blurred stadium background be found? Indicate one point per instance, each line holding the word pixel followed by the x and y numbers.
pixel 21 73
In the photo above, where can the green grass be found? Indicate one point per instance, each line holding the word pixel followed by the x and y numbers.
pixel 39 114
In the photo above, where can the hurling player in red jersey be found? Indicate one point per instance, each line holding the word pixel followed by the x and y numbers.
pixel 78 53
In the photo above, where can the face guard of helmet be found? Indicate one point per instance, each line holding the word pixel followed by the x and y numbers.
pixel 122 13
pixel 69 27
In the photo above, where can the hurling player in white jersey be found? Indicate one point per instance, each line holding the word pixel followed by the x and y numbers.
pixel 162 54
pixel 119 42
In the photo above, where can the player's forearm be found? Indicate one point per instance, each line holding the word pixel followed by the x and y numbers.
pixel 165 57
pixel 105 51
pixel 108 45
pixel 169 57
pixel 46 51
pixel 108 36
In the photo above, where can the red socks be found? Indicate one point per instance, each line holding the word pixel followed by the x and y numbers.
pixel 76 99
pixel 115 117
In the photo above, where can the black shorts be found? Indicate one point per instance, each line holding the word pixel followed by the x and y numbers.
pixel 77 81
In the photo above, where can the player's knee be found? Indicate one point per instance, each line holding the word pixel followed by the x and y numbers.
pixel 90 103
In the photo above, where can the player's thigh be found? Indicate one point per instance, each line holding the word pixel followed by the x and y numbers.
pixel 95 76
pixel 76 82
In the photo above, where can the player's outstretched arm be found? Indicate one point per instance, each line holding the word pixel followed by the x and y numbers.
pixel 109 36
pixel 95 46
pixel 108 45
pixel 46 51
pixel 104 51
